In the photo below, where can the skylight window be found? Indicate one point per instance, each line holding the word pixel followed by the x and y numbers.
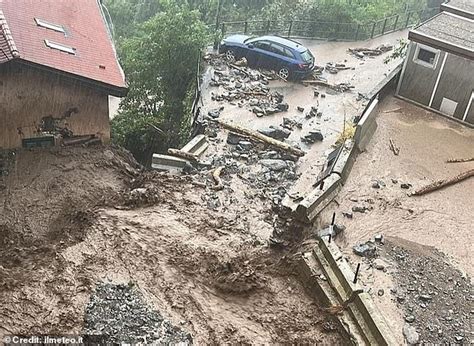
pixel 51 26
pixel 61 47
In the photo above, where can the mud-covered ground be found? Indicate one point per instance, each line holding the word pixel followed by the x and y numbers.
pixel 440 222
pixel 73 219
pixel 335 107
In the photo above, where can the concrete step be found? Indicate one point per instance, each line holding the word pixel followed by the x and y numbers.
pixel 197 145
pixel 168 163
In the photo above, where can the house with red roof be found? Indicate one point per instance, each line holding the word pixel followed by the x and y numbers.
pixel 58 67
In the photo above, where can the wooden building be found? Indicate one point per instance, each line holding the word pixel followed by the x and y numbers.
pixel 58 67
pixel 438 72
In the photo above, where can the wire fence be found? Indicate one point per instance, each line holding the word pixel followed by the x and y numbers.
pixel 327 30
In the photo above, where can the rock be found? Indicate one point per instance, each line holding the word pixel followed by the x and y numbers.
pixel 312 137
pixel 405 186
pixel 379 264
pixel 376 185
pixel 245 145
pixel 233 138
pixel 380 292
pixel 274 164
pixel 367 249
pixel 348 215
pixel 359 209
pixel 277 132
pixel 316 93
pixel 215 113
pixel 269 155
pixel 410 318
pixel 411 335
pixel 379 239
pixel 300 109
pixel 425 297
pixel 283 107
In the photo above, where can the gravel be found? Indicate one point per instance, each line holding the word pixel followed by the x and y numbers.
pixel 118 314
pixel 436 298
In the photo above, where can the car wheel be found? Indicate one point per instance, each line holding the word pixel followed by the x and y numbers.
pixel 284 73
pixel 230 55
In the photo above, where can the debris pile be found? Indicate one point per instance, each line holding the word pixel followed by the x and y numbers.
pixel 361 53
pixel 244 86
pixel 334 68
pixel 436 298
pixel 118 315
pixel 341 87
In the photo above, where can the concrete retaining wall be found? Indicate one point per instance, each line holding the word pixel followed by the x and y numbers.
pixel 361 320
pixel 366 126
pixel 309 208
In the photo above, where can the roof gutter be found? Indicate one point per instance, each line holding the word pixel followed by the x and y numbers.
pixel 449 47
pixel 110 30
pixel 456 10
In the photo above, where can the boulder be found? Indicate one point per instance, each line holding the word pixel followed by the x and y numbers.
pixel 411 335
pixel 276 132
pixel 274 165
pixel 367 249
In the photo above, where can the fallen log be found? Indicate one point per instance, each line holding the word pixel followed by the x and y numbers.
pixel 394 148
pixel 217 179
pixel 261 138
pixel 460 160
pixel 182 154
pixel 437 185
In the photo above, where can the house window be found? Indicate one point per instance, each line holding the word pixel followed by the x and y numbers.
pixel 50 26
pixel 61 47
pixel 426 56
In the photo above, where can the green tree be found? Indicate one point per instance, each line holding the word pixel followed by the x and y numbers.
pixel 161 66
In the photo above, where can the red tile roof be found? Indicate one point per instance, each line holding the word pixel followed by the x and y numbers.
pixel 85 31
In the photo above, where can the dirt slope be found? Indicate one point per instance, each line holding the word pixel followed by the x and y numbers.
pixel 71 218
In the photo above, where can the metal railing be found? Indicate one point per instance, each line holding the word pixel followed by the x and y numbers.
pixel 327 30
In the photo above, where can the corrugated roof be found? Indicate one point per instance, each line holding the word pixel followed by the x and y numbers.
pixel 85 31
pixel 447 30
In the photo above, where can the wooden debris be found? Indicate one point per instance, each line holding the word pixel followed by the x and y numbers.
pixel 339 309
pixel 182 154
pixel 341 87
pixel 395 110
pixel 394 148
pixel 460 160
pixel 217 179
pixel 261 138
pixel 437 185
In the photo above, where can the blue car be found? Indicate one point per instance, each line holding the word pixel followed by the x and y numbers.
pixel 290 59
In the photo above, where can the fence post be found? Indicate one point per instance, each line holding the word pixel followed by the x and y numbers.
pixel 408 19
pixel 268 27
pixel 223 29
pixel 396 22
pixel 384 25
pixel 373 30
pixel 289 28
pixel 246 27
pixel 357 32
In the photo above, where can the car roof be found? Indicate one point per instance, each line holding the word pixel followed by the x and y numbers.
pixel 283 41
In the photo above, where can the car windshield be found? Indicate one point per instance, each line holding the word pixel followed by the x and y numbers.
pixel 307 56
pixel 250 38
